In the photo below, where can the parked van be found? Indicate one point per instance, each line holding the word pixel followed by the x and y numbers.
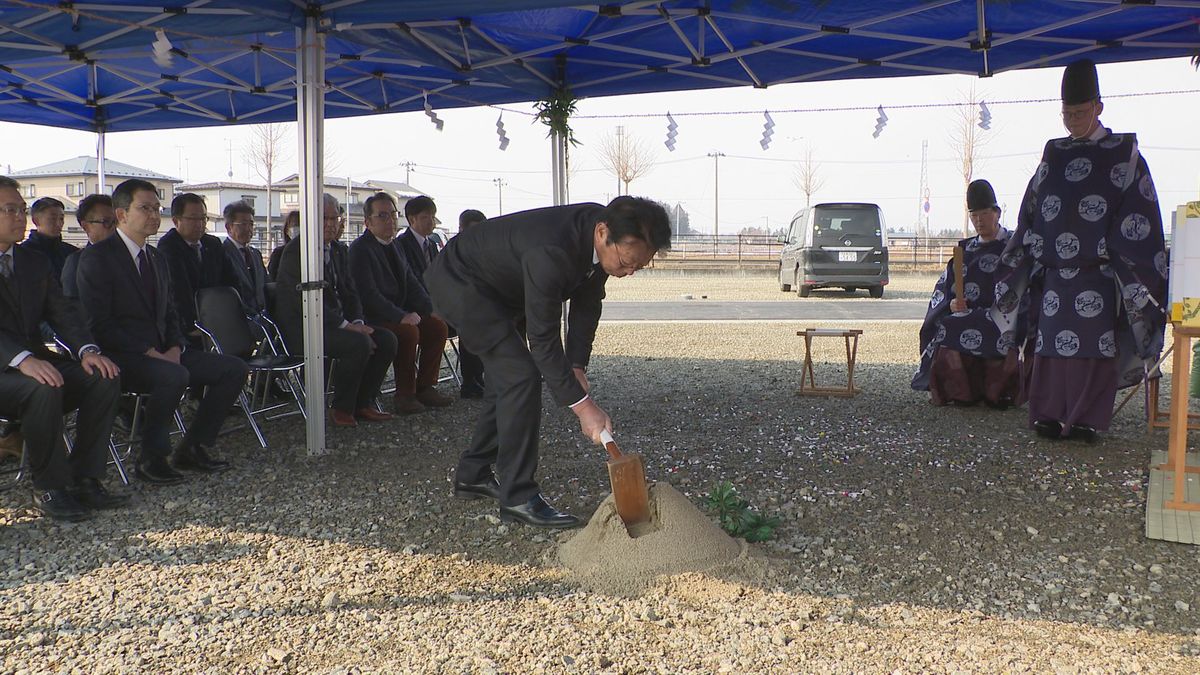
pixel 835 245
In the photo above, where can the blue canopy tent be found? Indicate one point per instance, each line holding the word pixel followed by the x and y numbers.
pixel 92 66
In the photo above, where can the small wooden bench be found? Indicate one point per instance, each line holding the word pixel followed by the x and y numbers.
pixel 808 380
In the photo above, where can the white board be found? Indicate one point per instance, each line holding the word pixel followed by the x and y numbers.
pixel 1185 257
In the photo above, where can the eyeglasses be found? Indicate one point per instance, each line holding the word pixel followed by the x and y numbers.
pixel 240 223
pixel 14 211
pixel 386 214
pixel 148 208
pixel 106 222
pixel 194 219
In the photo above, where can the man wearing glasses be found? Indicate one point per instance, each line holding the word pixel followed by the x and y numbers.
pixel 1090 238
pixel 527 265
pixel 96 217
pixel 125 289
pixel 247 261
pixel 195 259
pixel 363 352
pixel 46 237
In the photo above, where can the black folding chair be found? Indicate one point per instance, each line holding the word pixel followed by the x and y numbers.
pixel 220 317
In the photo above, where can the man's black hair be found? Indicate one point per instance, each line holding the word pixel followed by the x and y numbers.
pixel 418 205
pixel 470 217
pixel 122 197
pixel 181 201
pixel 43 204
pixel 378 196
pixel 90 202
pixel 639 218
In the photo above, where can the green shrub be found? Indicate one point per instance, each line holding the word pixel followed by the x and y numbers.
pixel 736 517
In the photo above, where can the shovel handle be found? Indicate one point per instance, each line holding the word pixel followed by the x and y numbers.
pixel 610 444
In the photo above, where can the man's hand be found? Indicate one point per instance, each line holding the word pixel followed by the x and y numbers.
pixel 412 319
pixel 581 375
pixel 592 420
pixel 958 305
pixel 359 328
pixel 93 362
pixel 41 371
pixel 172 354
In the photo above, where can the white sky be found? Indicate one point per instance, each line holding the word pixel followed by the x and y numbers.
pixel 756 186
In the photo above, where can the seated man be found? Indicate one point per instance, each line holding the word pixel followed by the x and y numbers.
pixel 39 386
pixel 46 237
pixel 394 299
pixel 246 260
pixel 954 367
pixel 469 364
pixel 95 216
pixel 363 353
pixel 195 260
pixel 125 290
pixel 415 245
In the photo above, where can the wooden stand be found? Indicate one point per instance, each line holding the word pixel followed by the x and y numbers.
pixel 808 380
pixel 1177 443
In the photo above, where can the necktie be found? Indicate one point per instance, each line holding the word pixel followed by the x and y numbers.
pixel 6 266
pixel 249 260
pixel 196 249
pixel 149 283
pixel 430 251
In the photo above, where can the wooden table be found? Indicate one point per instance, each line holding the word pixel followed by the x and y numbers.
pixel 1177 443
pixel 808 380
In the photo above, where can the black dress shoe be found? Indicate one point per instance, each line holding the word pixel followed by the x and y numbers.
pixel 538 513
pixel 60 505
pixel 470 392
pixel 189 457
pixel 91 493
pixel 1082 432
pixel 157 472
pixel 486 489
pixel 1048 429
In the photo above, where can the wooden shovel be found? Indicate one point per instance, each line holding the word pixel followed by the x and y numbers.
pixel 628 477
pixel 958 273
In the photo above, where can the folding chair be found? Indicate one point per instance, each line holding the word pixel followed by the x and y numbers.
pixel 219 316
pixel 22 468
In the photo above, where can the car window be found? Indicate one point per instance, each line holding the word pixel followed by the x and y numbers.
pixel 850 225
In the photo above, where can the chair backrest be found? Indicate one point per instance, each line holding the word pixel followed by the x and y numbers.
pixel 270 291
pixel 219 313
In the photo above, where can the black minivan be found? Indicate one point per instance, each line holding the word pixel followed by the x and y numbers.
pixel 835 245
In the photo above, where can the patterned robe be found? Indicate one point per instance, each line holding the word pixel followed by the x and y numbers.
pixel 974 331
pixel 1089 225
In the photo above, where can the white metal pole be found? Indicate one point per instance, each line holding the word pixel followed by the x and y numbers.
pixel 310 111
pixel 558 189
pixel 100 177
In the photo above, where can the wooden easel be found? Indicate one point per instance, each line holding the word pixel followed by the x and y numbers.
pixel 1177 442
pixel 808 379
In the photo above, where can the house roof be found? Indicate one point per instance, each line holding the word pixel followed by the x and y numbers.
pixel 220 185
pixel 86 165
pixel 293 180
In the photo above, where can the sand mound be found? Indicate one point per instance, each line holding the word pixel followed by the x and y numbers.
pixel 679 538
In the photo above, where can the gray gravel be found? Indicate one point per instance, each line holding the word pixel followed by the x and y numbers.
pixel 914 539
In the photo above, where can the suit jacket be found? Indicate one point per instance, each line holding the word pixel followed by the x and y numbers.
pixel 388 291
pixel 119 311
pixel 526 264
pixel 31 297
pixel 341 303
pixel 70 272
pixel 252 281
pixel 189 275
pixel 54 248
pixel 273 262
pixel 408 247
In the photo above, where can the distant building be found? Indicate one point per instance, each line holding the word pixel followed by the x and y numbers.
pixel 70 180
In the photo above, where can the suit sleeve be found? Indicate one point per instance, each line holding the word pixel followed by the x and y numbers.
pixel 348 293
pixel 582 320
pixel 96 293
pixel 416 298
pixel 365 268
pixel 185 306
pixel 545 271
pixel 234 279
pixel 65 316
pixel 174 331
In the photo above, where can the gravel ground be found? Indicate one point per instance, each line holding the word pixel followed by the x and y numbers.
pixel 913 539
pixel 653 285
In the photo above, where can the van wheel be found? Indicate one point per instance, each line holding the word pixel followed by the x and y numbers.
pixel 804 290
pixel 785 287
pixel 876 291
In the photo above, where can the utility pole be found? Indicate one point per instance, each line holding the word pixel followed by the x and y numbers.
pixel 500 183
pixel 716 155
pixel 408 167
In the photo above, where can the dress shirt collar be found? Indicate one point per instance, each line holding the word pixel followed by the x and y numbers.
pixel 235 243
pixel 419 237
pixel 386 242
pixel 131 245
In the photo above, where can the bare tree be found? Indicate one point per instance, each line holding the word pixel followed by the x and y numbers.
pixel 266 153
pixel 626 157
pixel 967 138
pixel 807 175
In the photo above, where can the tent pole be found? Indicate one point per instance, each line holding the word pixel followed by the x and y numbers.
pixel 100 177
pixel 310 104
pixel 558 188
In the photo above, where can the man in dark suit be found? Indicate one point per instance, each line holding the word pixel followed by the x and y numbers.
pixel 363 352
pixel 415 244
pixel 246 260
pixel 528 264
pixel 46 237
pixel 125 288
pixel 195 260
pixel 39 386
pixel 394 299
pixel 96 217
